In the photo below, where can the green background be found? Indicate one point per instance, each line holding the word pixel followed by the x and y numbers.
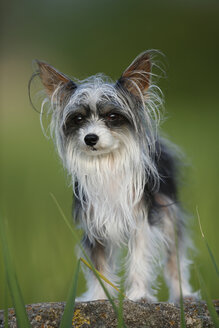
pixel 80 38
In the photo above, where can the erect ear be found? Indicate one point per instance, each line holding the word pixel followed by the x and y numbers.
pixel 137 76
pixel 51 78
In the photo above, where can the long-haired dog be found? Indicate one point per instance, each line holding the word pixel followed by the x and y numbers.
pixel 124 177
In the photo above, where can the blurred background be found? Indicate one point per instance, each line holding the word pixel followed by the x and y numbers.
pixel 80 38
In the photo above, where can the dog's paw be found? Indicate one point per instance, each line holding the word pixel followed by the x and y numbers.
pixel 195 296
pixel 90 296
pixel 140 296
pixel 187 297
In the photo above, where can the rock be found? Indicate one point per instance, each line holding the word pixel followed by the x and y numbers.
pixel 101 314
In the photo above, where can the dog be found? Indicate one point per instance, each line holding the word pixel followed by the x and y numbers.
pixel 124 177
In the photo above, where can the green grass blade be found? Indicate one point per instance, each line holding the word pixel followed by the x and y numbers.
pixel 6 317
pixel 121 323
pixel 207 245
pixel 14 288
pixel 84 253
pixel 212 257
pixel 207 298
pixel 120 292
pixel 66 321
pixel 101 275
pixel 182 312
pixel 6 306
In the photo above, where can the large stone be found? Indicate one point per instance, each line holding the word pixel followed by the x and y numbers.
pixel 101 314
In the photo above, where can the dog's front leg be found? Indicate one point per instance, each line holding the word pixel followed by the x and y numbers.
pixel 104 261
pixel 141 272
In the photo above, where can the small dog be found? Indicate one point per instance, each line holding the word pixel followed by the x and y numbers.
pixel 124 177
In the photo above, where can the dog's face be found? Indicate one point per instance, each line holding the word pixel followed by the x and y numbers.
pixel 98 117
pixel 96 129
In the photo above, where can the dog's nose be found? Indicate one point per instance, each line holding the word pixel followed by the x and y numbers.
pixel 91 139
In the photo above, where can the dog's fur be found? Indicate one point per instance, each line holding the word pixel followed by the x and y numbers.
pixel 124 177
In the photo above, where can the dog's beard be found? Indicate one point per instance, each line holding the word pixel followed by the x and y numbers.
pixel 109 187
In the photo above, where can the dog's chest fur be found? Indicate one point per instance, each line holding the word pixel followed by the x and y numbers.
pixel 108 204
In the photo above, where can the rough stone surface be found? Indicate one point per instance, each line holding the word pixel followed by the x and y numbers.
pixel 101 314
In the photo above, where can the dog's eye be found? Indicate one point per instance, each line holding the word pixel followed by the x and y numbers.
pixel 113 117
pixel 79 118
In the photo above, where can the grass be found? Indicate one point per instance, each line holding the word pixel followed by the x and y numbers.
pixel 121 298
pixel 6 306
pixel 204 290
pixel 12 282
pixel 207 298
pixel 182 313
pixel 70 304
pixel 212 257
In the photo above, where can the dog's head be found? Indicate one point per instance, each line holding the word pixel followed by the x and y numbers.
pixel 96 115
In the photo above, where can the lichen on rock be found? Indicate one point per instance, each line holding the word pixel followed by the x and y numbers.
pixel 101 314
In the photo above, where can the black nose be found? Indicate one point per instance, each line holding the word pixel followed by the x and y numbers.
pixel 91 139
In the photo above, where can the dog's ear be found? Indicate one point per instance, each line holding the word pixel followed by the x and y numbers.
pixel 136 78
pixel 52 79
